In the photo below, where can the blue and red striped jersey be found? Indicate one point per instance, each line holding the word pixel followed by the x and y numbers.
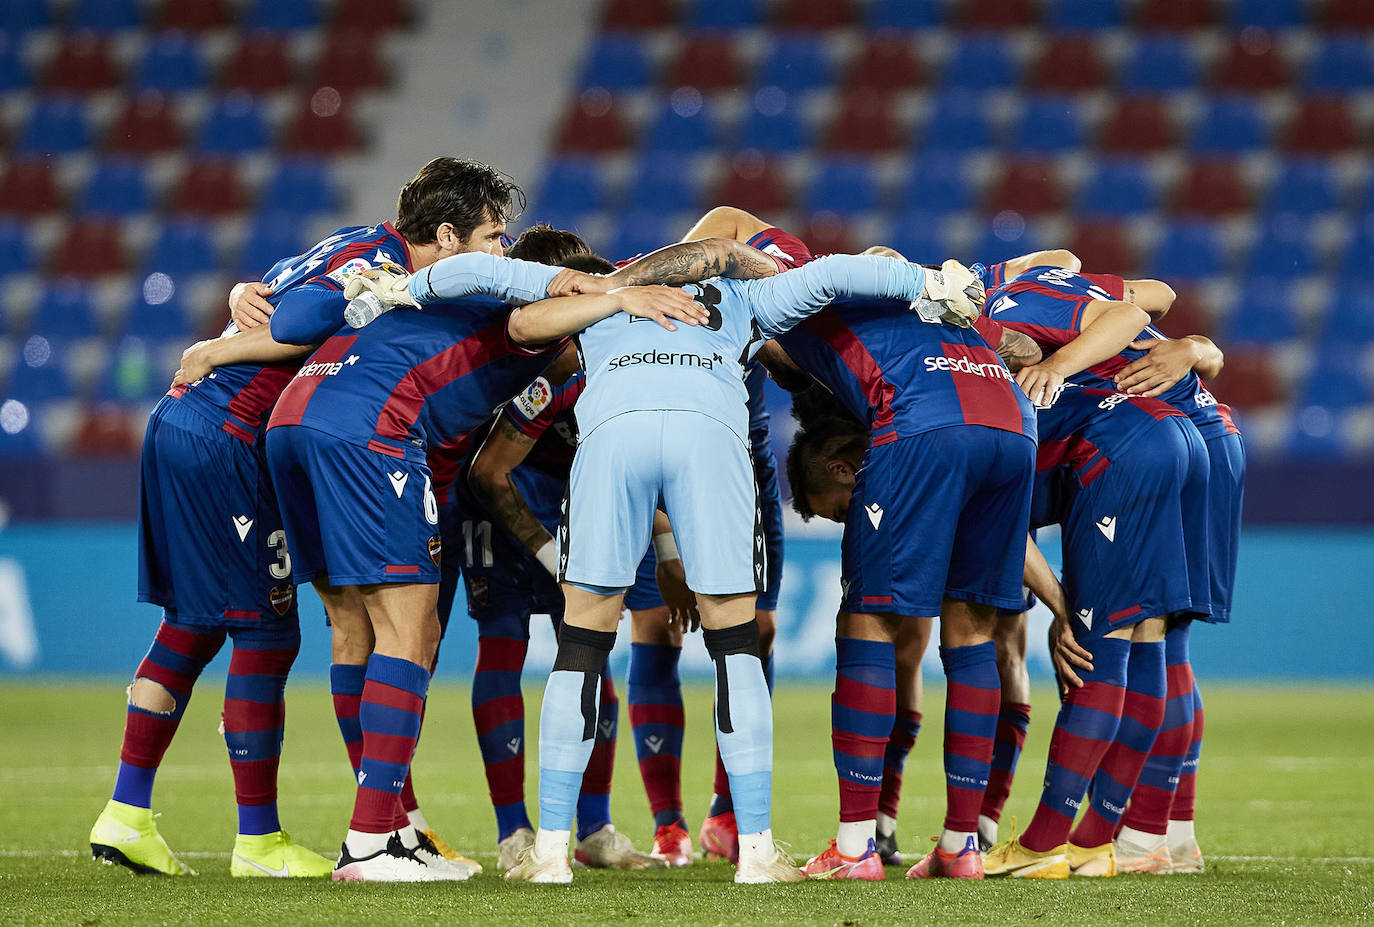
pixel 1047 304
pixel 241 395
pixel 544 414
pixel 411 380
pixel 787 249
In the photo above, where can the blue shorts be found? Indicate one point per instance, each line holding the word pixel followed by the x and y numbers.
pixel 1225 493
pixel 211 550
pixel 450 525
pixel 644 593
pixel 501 577
pixel 354 517
pixel 1126 554
pixel 939 515
pixel 697 468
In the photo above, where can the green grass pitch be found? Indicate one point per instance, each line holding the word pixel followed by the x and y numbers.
pixel 1286 818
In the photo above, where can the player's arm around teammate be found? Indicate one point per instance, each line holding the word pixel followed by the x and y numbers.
pixel 1107 327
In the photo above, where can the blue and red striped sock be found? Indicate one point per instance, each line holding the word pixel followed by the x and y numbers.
pixel 861 713
pixel 1148 811
pixel 1082 733
pixel 346 686
pixel 1186 796
pixel 254 718
pixel 594 801
pixel 498 710
pixel 721 801
pixel 1013 718
pixel 974 693
pixel 393 702
pixel 174 661
pixel 906 727
pixel 1142 713
pixel 656 722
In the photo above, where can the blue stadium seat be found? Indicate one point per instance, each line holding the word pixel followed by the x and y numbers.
pixel 1188 250
pixel 937 184
pixel 1315 435
pixel 1305 186
pixel 920 237
pixel 16 250
pixel 989 247
pixel 1118 187
pixel 1343 63
pixel 13 72
pixel 639 231
pixel 1159 62
pixel 117 187
pixel 303 186
pixel 963 124
pixel 271 236
pixel 666 181
pixel 1048 124
pixel 106 15
pixel 776 127
pixel 282 15
pixel 618 61
pixel 1262 314
pixel 32 385
pixel 182 247
pixel 24 444
pixel 734 14
pixel 19 16
pixel 1358 265
pixel 844 186
pixel 57 125
pixel 1337 379
pixel 1350 315
pixel 1284 248
pixel 572 185
pixel 902 14
pixel 686 131
pixel 1082 15
pixel 1230 124
pixel 797 62
pixel 981 62
pixel 172 63
pixel 65 309
pixel 236 123
pixel 167 320
pixel 1268 14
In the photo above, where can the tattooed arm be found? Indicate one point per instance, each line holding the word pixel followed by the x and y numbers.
pixel 1018 350
pixel 489 476
pixel 691 261
pixel 1154 296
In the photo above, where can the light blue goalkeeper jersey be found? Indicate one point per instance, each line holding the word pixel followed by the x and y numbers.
pixel 635 364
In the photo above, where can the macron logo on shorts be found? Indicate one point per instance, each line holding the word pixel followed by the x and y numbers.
pixel 875 514
pixel 398 482
pixel 243 524
pixel 1107 525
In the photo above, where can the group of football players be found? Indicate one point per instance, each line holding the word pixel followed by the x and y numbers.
pixel 341 432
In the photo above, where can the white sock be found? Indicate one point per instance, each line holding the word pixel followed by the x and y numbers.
pixel 417 820
pixel 757 847
pixel 1179 832
pixel 1140 838
pixel 887 825
pixel 987 828
pixel 952 841
pixel 853 836
pixel 552 843
pixel 362 844
pixel 409 839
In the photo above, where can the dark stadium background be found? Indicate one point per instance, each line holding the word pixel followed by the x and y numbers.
pixel 154 153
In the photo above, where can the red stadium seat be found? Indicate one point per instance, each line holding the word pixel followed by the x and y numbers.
pixel 209 187
pixel 1105 247
pixel 886 62
pixel 1251 65
pixel 864 122
pixel 1323 125
pixel 637 14
pixel 322 125
pixel 1027 186
pixel 593 124
pixel 1212 187
pixel 997 14
pixel 194 15
pixel 349 61
pixel 260 63
pixel 1176 14
pixel 813 14
pixel 29 188
pixel 1069 63
pixel 373 14
pixel 147 125
pixel 106 431
pixel 82 63
pixel 707 63
pixel 753 183
pixel 1248 379
pixel 1137 126
pixel 1348 14
pixel 89 249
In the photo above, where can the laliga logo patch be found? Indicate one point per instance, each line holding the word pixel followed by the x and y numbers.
pixel 534 399
pixel 436 548
pixel 281 598
pixel 340 275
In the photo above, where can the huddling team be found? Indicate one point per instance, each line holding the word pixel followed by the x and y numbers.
pixel 342 433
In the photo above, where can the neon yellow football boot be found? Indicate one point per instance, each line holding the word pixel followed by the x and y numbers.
pixel 275 856
pixel 126 835
pixel 1009 859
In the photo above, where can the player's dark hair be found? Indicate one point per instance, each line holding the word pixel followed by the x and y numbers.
pixel 588 264
pixel 814 446
pixel 458 191
pixel 545 244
